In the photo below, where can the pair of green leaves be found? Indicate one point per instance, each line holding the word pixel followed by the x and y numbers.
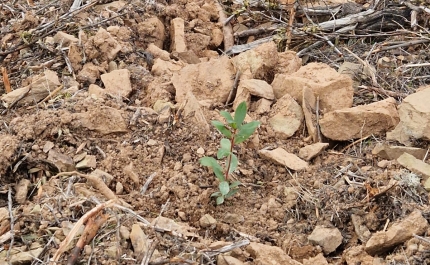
pixel 241 131
pixel 225 190
pixel 212 163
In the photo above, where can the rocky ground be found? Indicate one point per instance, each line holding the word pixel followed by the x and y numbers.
pixel 107 109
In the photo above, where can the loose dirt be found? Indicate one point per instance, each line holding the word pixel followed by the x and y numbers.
pixel 146 142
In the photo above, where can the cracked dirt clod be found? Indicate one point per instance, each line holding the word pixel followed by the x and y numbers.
pixel 413 224
pixel 357 122
pixel 284 158
pixel 328 238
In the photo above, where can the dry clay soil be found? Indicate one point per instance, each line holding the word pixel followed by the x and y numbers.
pixel 132 149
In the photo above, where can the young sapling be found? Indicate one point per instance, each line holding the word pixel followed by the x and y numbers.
pixel 235 132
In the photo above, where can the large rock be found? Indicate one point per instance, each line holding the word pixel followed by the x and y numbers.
pixel 177 35
pixel 89 73
pixel 65 39
pixel 151 31
pixel 389 152
pixel 414 115
pixel 317 260
pixel 360 121
pixel 356 255
pixel 139 240
pixel 259 61
pixel 61 161
pixel 258 88
pixel 269 255
pixel 255 87
pixel 328 238
pixel 415 165
pixel 102 46
pixel 398 233
pixel 282 157
pixel 39 88
pixel 286 117
pixel 333 89
pixel 207 81
pixel 309 111
pixel 288 63
pixel 310 151
pixel 117 83
pixel 193 111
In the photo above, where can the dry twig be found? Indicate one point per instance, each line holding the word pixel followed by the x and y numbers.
pixel 96 182
pixel 92 227
pixel 72 233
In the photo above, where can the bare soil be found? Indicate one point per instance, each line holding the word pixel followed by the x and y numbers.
pixel 263 211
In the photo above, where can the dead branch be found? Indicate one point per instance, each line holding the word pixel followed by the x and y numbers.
pixel 72 233
pixel 6 82
pixel 93 225
pixel 51 95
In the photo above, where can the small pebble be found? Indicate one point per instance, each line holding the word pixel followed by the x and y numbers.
pixel 35 147
pixel 186 157
pixel 182 215
pixel 178 166
pixel 119 189
pixel 201 151
pixel 384 163
pixel 151 142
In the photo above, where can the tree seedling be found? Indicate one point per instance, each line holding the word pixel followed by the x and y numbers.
pixel 235 132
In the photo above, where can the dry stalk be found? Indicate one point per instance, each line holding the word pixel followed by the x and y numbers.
pixel 6 81
pixel 148 181
pixel 72 233
pixel 369 69
pixel 290 24
pixel 51 95
pixel 12 222
pixel 95 181
pixel 355 142
pixel 92 227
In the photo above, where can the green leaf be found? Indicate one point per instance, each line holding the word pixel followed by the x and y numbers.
pixel 225 144
pixel 227 116
pixel 224 188
pixel 221 127
pixel 233 163
pixel 216 194
pixel 207 161
pixel 239 115
pixel 222 153
pixel 246 131
pixel 231 193
pixel 212 163
pixel 234 184
pixel 218 172
pixel 219 200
